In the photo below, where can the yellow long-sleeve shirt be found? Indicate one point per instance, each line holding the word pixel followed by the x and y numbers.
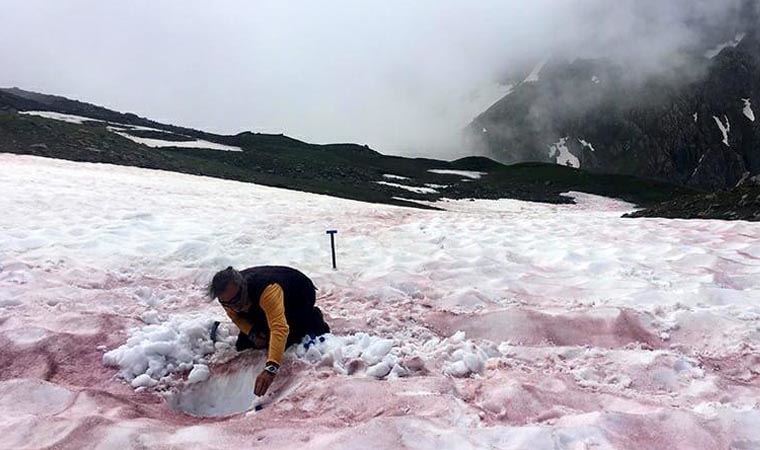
pixel 272 301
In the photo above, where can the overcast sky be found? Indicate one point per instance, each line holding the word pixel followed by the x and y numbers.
pixel 402 76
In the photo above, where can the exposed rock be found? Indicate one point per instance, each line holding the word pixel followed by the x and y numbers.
pixel 742 203
pixel 692 124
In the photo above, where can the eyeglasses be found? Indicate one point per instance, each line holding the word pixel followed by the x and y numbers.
pixel 235 302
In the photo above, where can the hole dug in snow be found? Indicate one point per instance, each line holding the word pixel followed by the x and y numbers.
pixel 221 394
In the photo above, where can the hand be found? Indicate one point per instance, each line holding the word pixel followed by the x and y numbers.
pixel 263 381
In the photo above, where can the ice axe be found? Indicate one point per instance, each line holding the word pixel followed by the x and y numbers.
pixel 332 246
pixel 214 328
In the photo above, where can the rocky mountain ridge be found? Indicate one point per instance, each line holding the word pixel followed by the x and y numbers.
pixel 692 124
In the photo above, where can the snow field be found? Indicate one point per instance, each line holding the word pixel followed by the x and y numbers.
pixel 501 324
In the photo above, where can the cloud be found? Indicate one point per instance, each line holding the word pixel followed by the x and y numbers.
pixel 403 77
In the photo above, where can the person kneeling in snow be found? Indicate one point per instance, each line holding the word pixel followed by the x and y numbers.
pixel 273 307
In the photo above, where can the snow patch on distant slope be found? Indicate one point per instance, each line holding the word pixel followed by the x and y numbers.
pixel 68 118
pixel 416 189
pixel 712 53
pixel 533 76
pixel 394 177
pixel 699 164
pixel 465 173
pixel 79 120
pixel 595 79
pixel 586 144
pixel 748 109
pixel 411 200
pixel 159 143
pixel 122 130
pixel 724 128
pixel 562 154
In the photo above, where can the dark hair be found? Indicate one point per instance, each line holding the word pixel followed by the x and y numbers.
pixel 222 278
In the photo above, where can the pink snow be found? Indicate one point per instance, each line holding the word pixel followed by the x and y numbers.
pixel 492 324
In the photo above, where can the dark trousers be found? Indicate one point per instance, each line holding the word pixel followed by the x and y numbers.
pixel 304 325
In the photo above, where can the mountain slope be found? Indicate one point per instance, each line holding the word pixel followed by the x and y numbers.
pixel 692 124
pixel 79 131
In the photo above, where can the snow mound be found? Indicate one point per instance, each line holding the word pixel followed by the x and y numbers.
pixel 362 355
pixel 199 373
pixel 155 352
pixel 377 357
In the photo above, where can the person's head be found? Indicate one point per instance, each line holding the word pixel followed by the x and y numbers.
pixel 228 287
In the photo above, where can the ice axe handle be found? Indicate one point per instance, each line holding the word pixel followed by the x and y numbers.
pixel 332 246
pixel 214 328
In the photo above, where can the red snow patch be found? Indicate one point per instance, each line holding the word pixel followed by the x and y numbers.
pixel 610 328
pixel 671 429
pixel 72 359
pixel 511 396
pixel 741 367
